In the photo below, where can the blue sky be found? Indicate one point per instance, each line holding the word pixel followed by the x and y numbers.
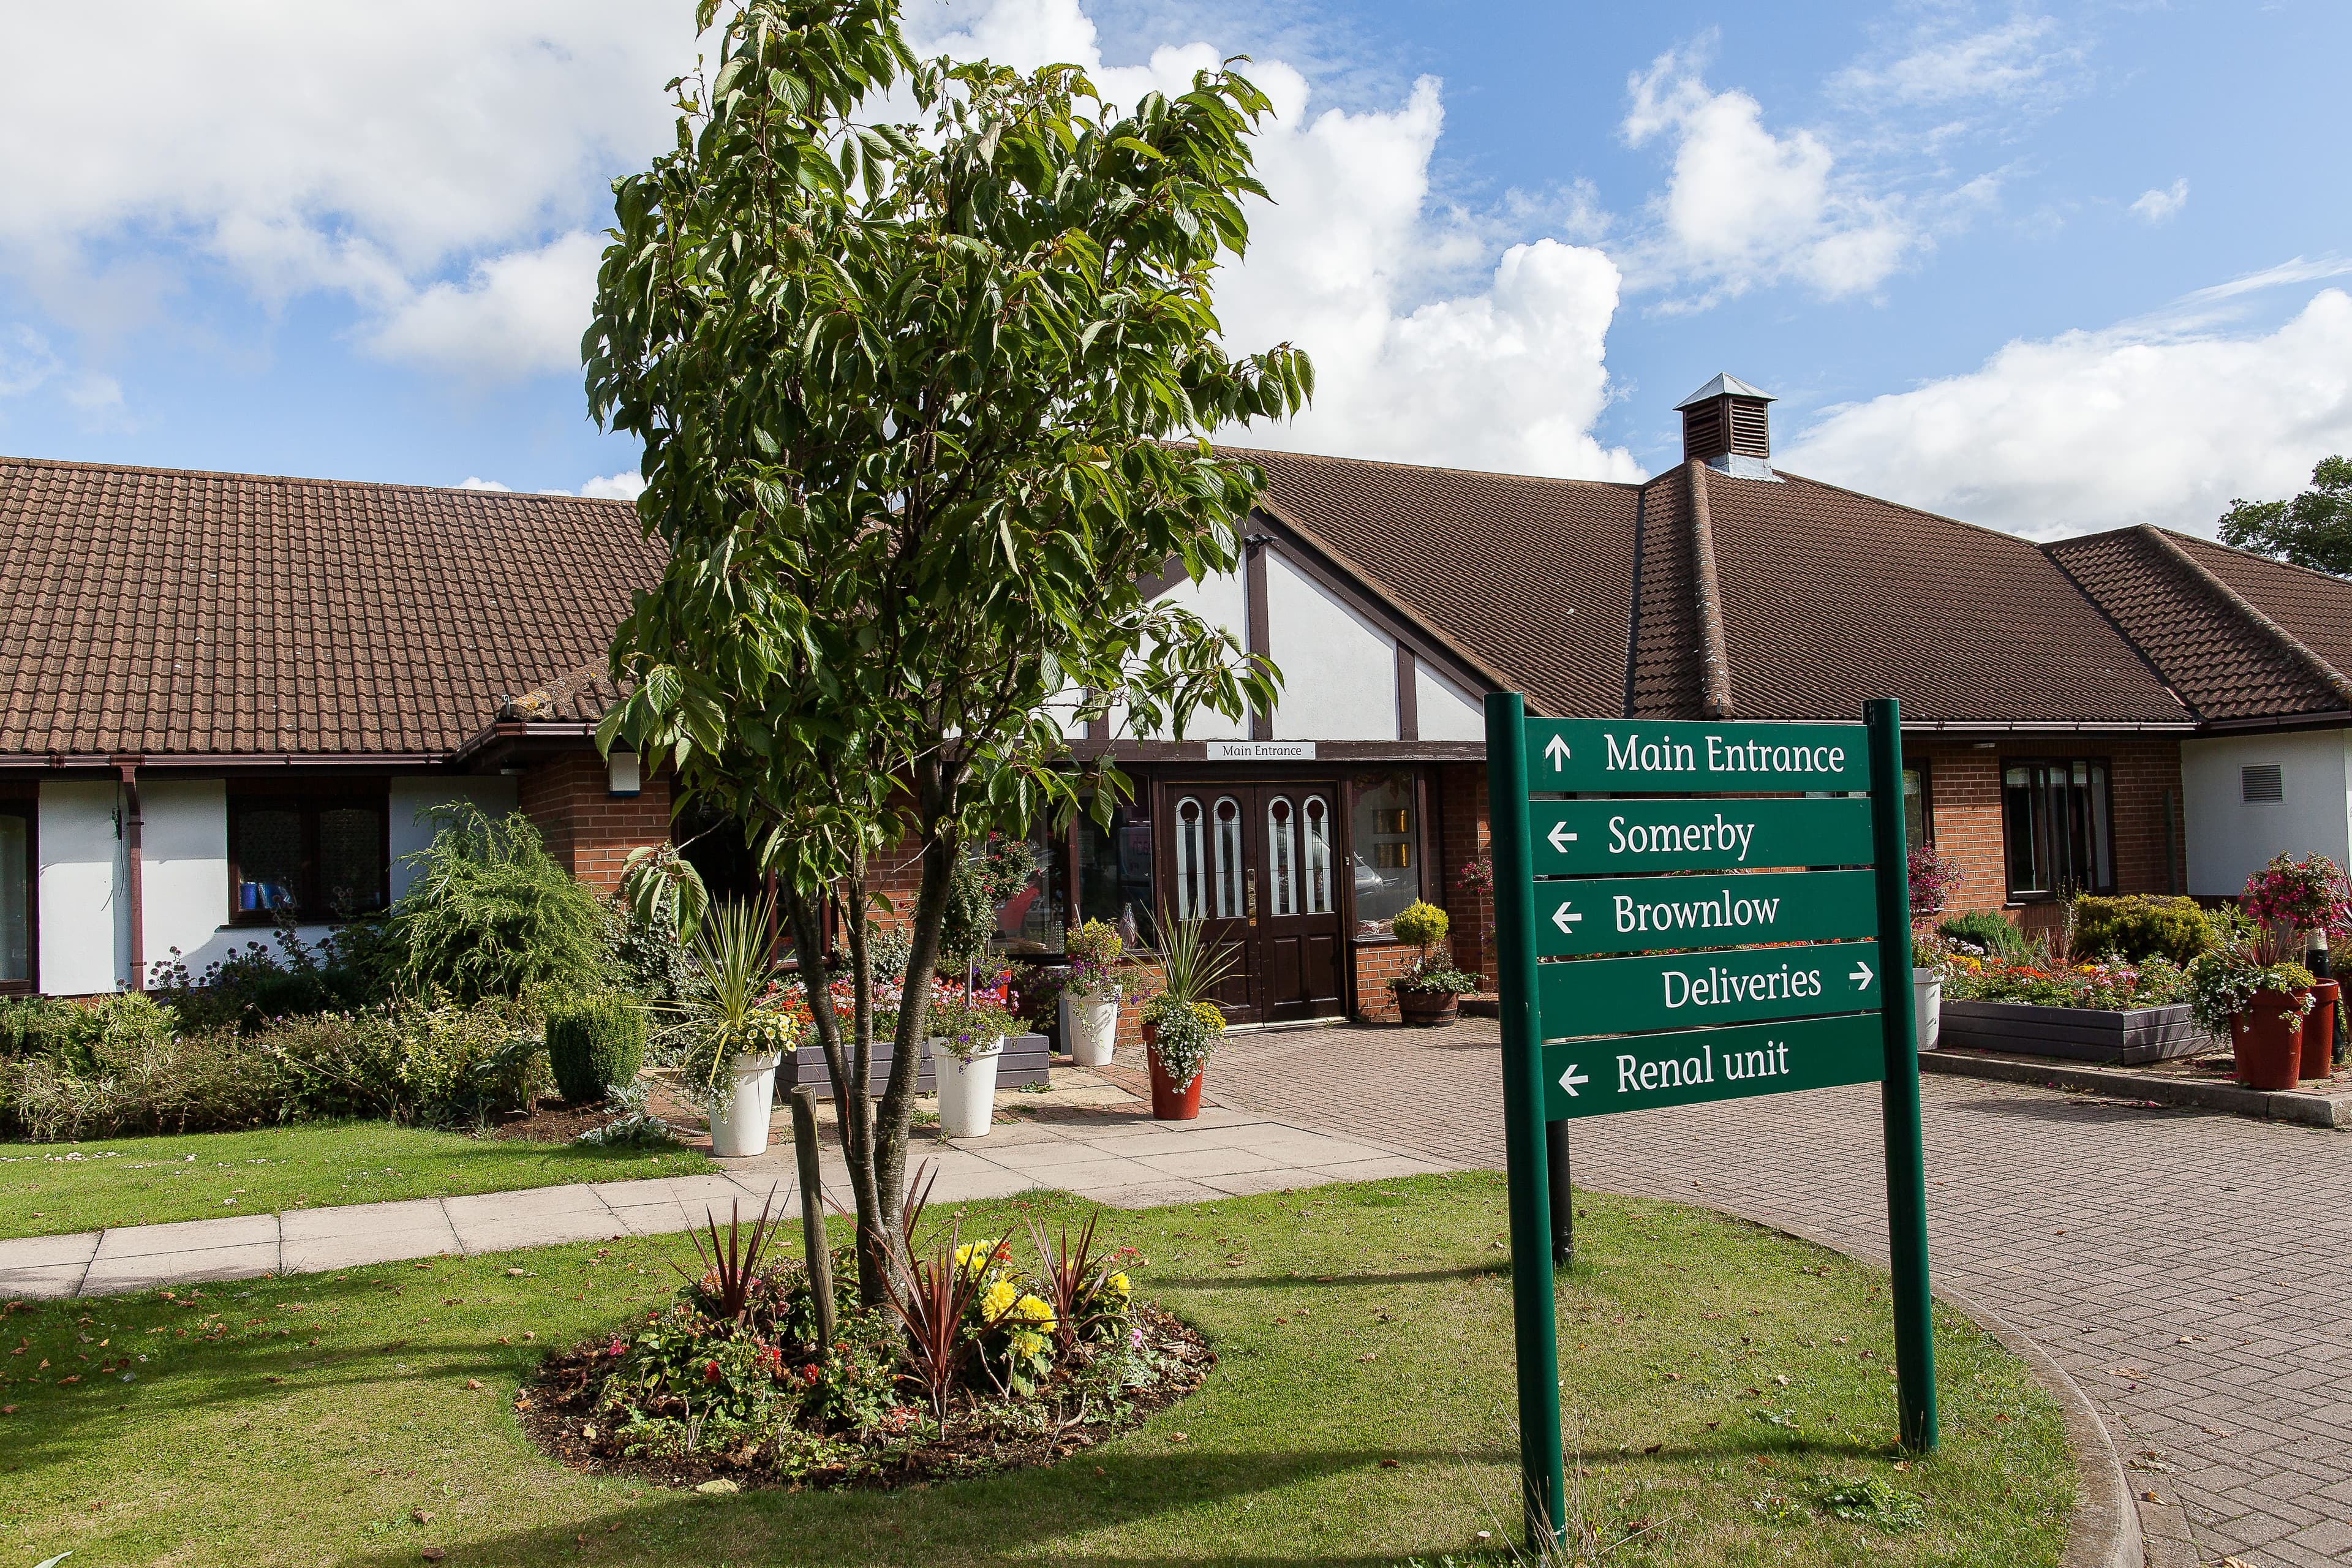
pixel 2050 269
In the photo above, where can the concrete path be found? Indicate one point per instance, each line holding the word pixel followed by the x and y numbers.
pixel 1113 1154
pixel 2192 1270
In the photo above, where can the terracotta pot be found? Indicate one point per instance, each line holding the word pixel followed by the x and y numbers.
pixel 1427 1007
pixel 2269 1048
pixel 1169 1103
pixel 2319 1029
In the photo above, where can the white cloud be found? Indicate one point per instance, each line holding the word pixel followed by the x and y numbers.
pixel 25 360
pixel 2138 423
pixel 1938 68
pixel 626 485
pixel 364 149
pixel 517 313
pixel 1438 335
pixel 2159 205
pixel 1744 206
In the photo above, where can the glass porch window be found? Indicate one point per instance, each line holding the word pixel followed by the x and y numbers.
pixel 1281 856
pixel 1316 815
pixel 1115 870
pixel 1226 836
pixel 1387 869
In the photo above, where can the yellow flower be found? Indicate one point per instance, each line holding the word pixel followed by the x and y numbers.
pixel 974 1257
pixel 1026 1343
pixel 998 1303
pixel 1207 1012
pixel 1118 1282
pixel 1035 1310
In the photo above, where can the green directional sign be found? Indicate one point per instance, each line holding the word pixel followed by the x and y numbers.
pixel 1622 756
pixel 1757 915
pixel 1582 837
pixel 1627 995
pixel 1648 914
pixel 1594 1078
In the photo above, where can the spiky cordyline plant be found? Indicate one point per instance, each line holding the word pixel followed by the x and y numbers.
pixel 736 1263
pixel 1072 1276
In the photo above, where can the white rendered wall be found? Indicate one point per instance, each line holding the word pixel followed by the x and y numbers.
pixel 1443 711
pixel 1338 669
pixel 413 797
pixel 1222 601
pixel 85 914
pixel 183 869
pixel 2229 840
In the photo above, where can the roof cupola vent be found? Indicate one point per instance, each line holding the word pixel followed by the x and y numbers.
pixel 1725 425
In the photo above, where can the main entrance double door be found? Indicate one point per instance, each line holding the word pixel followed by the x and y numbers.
pixel 1260 864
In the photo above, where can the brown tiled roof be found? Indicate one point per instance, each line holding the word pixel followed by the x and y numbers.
pixel 2238 636
pixel 158 612
pixel 1830 598
pixel 1531 578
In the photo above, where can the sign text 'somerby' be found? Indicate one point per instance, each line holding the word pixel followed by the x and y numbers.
pixel 1670 952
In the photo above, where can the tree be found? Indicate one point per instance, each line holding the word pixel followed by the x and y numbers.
pixel 920 404
pixel 2313 529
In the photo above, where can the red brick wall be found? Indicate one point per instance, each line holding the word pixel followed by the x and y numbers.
pixel 1964 788
pixel 1461 792
pixel 589 829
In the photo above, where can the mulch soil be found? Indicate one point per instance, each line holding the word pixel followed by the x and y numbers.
pixel 560 1400
pixel 551 1121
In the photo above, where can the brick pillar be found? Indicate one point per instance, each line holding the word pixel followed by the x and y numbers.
pixel 1462 789
pixel 588 829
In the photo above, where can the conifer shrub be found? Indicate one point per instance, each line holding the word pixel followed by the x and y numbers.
pixel 2140 926
pixel 594 1043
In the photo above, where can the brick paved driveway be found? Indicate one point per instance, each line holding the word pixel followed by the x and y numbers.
pixel 2192 1270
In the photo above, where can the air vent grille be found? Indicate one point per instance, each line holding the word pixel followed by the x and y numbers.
pixel 2263 784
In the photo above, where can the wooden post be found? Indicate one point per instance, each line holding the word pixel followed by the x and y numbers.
pixel 814 1244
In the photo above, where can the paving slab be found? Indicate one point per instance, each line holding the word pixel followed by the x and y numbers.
pixel 1196 1165
pixel 315 1240
pixel 144 1271
pixel 188 1235
pixel 46 1251
pixel 41 1282
pixel 1151 1194
pixel 424 1215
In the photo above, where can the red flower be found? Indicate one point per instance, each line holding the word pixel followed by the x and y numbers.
pixel 710 1371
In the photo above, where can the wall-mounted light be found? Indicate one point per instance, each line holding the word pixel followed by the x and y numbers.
pixel 620 773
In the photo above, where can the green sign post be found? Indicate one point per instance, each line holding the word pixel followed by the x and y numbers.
pixel 1770 974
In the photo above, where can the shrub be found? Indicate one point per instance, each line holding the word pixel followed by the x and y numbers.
pixel 1421 924
pixel 490 914
pixel 469 1064
pixel 1991 933
pixel 594 1043
pixel 124 1067
pixel 1932 878
pixel 283 977
pixel 2140 926
pixel 339 1065
pixel 642 954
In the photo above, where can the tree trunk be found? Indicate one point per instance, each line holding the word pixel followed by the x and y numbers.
pixel 896 1111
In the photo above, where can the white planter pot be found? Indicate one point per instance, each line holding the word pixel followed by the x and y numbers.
pixel 1090 1026
pixel 1927 1000
pixel 967 1089
pixel 740 1127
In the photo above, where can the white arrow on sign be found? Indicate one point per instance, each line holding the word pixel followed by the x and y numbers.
pixel 1556 750
pixel 1562 918
pixel 1571 1078
pixel 1859 975
pixel 1560 836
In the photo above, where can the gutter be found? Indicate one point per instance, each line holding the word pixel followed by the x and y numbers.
pixel 28 762
pixel 2041 727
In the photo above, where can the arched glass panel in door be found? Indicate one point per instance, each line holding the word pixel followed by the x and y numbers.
pixel 1282 856
pixel 1226 836
pixel 1190 858
pixel 1316 870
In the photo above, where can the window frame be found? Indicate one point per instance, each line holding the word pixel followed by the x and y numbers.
pixel 2057 892
pixel 1926 772
pixel 309 798
pixel 28 807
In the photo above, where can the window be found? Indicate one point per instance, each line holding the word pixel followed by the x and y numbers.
pixel 1387 859
pixel 1227 834
pixel 1115 869
pixel 1918 818
pixel 2055 816
pixel 15 897
pixel 1029 920
pixel 2263 784
pixel 309 855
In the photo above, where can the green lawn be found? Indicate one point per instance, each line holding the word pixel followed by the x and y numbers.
pixel 47 1189
pixel 1360 1413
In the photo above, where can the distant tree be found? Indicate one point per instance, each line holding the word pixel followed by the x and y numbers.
pixel 921 404
pixel 2313 529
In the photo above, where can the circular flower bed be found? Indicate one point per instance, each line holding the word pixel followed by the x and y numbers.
pixel 974 1365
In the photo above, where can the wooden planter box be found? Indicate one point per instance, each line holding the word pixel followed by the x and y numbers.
pixel 1023 1063
pixel 2078 1034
